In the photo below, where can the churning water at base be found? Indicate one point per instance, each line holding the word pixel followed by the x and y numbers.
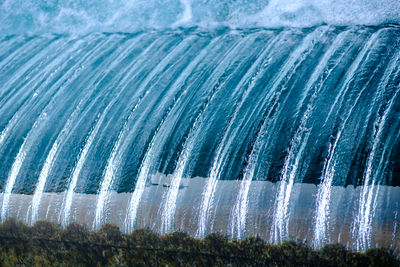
pixel 280 133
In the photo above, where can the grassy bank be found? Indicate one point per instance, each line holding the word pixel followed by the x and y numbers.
pixel 47 244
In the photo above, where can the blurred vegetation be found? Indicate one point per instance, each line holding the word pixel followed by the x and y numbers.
pixel 47 244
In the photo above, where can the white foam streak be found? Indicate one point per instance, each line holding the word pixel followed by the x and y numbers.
pixel 169 206
pixel 370 190
pixel 279 229
pixel 324 191
pixel 42 181
pixel 239 211
pixel 247 81
pixel 67 203
pixel 146 165
pixel 31 84
pixel 19 159
pixel 48 165
pixel 27 143
pixel 113 163
pixel 280 224
pixel 78 168
pixel 394 232
pixel 115 158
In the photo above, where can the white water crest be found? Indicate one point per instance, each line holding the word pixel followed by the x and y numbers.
pixel 239 211
pixel 186 15
pixel 74 16
pixel 110 173
pixel 37 195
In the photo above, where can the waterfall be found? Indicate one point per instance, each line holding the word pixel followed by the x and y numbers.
pixel 276 119
pixel 149 156
pixel 369 191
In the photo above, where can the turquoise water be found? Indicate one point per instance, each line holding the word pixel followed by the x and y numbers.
pixel 98 98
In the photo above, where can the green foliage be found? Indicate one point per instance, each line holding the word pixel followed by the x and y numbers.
pixel 143 238
pixel 107 234
pixel 75 232
pixel 13 228
pixel 45 230
pixel 47 244
pixel 381 257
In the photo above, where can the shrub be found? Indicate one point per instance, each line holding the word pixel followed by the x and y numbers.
pixel 47 244
pixel 75 232
pixel 109 234
pixel 381 257
pixel 45 230
pixel 143 238
pixel 335 253
pixel 13 228
pixel 179 240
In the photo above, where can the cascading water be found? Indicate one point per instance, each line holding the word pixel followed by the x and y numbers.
pixel 278 119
